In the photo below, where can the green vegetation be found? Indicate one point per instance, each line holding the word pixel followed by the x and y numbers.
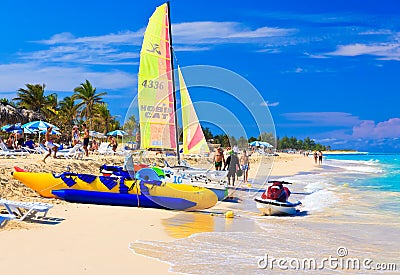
pixel 279 143
pixel 84 106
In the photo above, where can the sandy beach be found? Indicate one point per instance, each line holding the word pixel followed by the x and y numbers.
pixel 93 239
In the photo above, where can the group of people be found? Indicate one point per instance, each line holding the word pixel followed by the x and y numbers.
pixel 318 157
pixel 15 140
pixel 75 138
pixel 233 164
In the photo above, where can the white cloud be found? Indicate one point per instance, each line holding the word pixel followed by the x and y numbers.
pixel 205 31
pixel 386 51
pixel 59 78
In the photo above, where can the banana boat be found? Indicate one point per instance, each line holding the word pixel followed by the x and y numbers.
pixel 45 183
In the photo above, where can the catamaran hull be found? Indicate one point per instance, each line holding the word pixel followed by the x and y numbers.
pixel 45 183
pixel 273 207
pixel 117 199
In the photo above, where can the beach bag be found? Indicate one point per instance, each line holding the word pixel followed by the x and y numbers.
pixel 239 172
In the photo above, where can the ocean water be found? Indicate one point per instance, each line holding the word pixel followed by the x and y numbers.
pixel 349 216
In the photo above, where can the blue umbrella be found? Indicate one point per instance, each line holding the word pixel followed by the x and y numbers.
pixel 11 127
pixel 117 133
pixel 260 143
pixel 39 125
pixel 255 143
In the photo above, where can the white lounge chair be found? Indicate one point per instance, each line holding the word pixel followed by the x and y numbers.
pixel 74 152
pixel 23 210
pixel 6 154
pixel 4 148
pixel 4 218
pixel 104 149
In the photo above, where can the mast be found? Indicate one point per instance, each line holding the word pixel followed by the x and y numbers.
pixel 173 86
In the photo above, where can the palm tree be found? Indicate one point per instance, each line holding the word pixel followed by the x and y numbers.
pixel 33 98
pixel 87 94
pixel 102 117
pixel 68 111
pixel 131 125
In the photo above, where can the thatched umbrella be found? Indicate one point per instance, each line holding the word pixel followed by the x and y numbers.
pixel 11 115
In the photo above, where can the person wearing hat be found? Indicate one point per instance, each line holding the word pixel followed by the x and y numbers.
pixel 75 135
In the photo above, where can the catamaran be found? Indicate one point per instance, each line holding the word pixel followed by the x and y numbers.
pixel 157 102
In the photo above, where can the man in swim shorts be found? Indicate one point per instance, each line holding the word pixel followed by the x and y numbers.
pixel 219 159
pixel 49 144
pixel 245 165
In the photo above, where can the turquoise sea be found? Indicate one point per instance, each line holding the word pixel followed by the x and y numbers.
pixel 350 212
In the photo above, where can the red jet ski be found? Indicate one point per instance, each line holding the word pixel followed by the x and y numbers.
pixel 274 201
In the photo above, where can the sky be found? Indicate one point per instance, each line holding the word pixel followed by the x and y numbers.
pixel 328 70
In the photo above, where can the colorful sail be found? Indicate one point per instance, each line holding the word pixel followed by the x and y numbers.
pixel 155 87
pixel 194 141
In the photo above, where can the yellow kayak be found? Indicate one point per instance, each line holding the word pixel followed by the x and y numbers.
pixel 45 183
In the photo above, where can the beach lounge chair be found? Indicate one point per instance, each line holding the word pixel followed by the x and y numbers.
pixel 4 148
pixel 104 149
pixel 74 152
pixel 6 154
pixel 24 210
pixel 4 218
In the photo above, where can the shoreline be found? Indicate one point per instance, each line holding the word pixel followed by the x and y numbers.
pixel 88 233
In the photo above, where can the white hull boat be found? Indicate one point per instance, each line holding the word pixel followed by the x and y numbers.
pixel 272 207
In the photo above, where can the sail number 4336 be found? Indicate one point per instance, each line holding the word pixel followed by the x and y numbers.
pixel 153 84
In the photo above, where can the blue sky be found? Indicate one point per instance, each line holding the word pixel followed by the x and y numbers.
pixel 327 70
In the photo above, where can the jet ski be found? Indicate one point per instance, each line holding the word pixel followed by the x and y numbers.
pixel 274 201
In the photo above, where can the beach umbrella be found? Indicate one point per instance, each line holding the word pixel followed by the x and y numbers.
pixel 11 127
pixel 117 133
pixel 255 143
pixel 39 125
pixel 266 144
pixel 96 134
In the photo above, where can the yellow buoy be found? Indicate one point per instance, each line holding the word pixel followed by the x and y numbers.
pixel 229 214
pixel 346 185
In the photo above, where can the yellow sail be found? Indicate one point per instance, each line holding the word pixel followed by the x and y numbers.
pixel 155 87
pixel 194 141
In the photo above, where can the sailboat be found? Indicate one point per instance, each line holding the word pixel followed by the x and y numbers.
pixel 157 103
pixel 157 94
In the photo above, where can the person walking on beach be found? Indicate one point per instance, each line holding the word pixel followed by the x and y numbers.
pixel 315 157
pixel 320 157
pixel 85 139
pixel 49 144
pixel 245 165
pixel 233 165
pixel 75 135
pixel 219 159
